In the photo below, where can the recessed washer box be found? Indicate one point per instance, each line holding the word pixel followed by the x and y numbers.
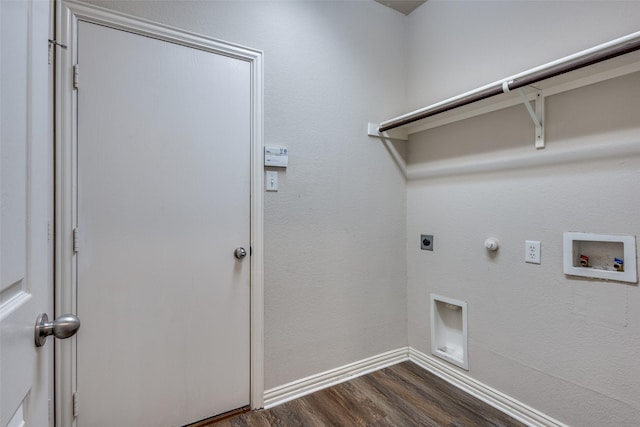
pixel 449 330
pixel 601 256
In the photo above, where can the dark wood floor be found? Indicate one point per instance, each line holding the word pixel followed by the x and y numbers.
pixel 401 395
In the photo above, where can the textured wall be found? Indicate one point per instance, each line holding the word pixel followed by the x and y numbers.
pixel 335 270
pixel 566 346
pixel 336 239
pixel 456 46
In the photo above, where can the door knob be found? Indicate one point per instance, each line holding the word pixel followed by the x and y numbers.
pixel 63 327
pixel 240 253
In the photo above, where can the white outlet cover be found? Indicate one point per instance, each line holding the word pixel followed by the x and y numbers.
pixel 532 251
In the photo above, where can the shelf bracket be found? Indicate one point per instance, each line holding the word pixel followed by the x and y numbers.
pixel 386 138
pixel 537 116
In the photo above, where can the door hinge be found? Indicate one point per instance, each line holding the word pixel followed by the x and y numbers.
pixel 76 76
pixel 51 413
pixel 52 46
pixel 76 238
pixel 75 404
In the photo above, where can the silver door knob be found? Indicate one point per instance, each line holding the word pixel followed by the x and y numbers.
pixel 63 327
pixel 240 253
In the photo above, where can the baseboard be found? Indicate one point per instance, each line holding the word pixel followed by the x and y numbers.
pixel 308 385
pixel 452 375
pixel 483 392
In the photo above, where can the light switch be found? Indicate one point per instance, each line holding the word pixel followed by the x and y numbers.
pixel 272 181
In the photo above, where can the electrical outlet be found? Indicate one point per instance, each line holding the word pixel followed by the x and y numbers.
pixel 426 242
pixel 532 251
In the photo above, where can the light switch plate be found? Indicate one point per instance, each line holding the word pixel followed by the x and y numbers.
pixel 271 183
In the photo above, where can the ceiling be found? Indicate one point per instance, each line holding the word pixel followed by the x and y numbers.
pixel 402 6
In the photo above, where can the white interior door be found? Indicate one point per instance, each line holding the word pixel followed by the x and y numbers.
pixel 163 200
pixel 26 183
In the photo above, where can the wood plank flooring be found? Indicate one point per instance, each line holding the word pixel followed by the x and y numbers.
pixel 401 395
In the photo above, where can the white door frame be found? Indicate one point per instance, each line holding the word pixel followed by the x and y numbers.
pixel 68 15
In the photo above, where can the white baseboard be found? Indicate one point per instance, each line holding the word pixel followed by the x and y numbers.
pixel 459 379
pixel 308 385
pixel 483 392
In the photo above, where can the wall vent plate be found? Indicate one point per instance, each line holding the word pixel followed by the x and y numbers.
pixel 426 242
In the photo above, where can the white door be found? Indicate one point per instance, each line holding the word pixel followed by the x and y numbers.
pixel 163 201
pixel 26 184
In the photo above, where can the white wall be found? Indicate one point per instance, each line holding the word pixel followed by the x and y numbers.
pixel 565 346
pixel 336 236
pixel 335 271
pixel 456 46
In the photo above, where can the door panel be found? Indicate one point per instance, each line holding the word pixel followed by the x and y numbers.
pixel 25 206
pixel 163 201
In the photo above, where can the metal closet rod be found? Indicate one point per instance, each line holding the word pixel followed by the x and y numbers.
pixel 615 48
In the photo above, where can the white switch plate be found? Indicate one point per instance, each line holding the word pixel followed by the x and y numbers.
pixel 532 251
pixel 271 183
